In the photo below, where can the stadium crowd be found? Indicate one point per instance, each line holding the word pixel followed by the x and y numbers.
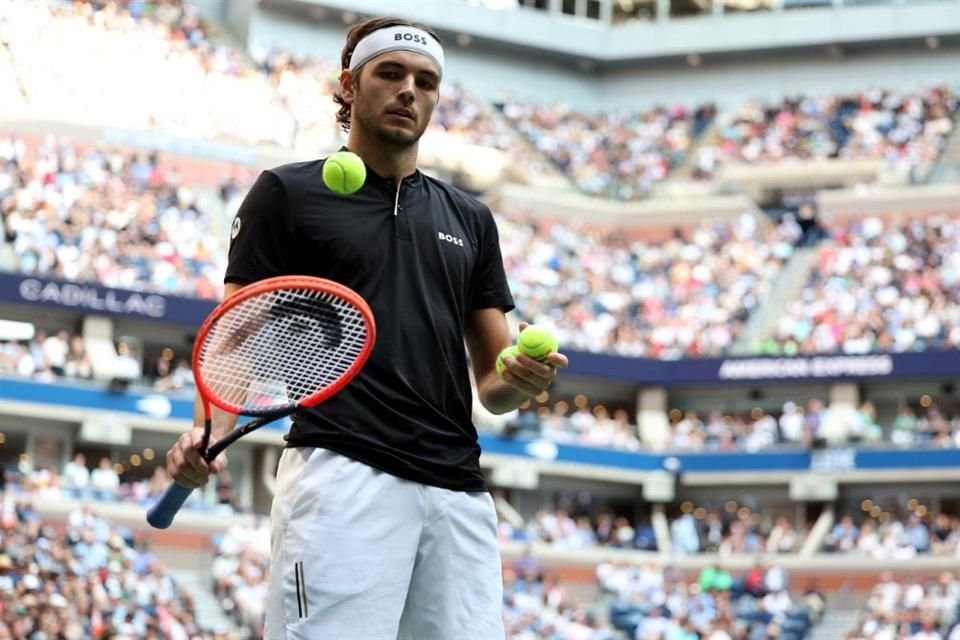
pixel 155 58
pixel 118 218
pixel 604 292
pixel 912 609
pixel 161 69
pixel 141 484
pixel 888 536
pixel 906 129
pixel 698 530
pixel 619 154
pixel 538 606
pixel 570 527
pixel 85 580
pixel 880 285
pixel 795 424
pixel 650 602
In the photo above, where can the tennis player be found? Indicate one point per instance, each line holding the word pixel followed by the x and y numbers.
pixel 382 526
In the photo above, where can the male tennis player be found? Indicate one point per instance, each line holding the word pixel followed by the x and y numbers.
pixel 382 525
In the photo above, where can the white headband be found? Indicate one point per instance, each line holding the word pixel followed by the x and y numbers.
pixel 396 39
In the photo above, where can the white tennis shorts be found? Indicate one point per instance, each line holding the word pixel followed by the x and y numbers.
pixel 360 554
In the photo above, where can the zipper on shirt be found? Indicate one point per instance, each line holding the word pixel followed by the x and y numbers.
pixel 402 222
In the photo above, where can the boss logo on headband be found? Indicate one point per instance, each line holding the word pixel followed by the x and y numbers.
pixel 411 37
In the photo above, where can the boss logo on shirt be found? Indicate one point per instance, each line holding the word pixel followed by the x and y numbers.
pixel 449 238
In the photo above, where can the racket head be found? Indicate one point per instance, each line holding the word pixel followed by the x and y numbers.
pixel 282 343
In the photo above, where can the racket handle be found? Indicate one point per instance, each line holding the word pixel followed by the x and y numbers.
pixel 161 514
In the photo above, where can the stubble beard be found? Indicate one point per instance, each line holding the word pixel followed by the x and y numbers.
pixel 370 122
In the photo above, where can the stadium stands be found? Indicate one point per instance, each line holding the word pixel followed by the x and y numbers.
pixel 913 608
pixel 880 284
pixel 88 579
pixel 908 130
pixel 888 537
pixel 604 292
pixel 619 155
pixel 132 218
pixel 119 218
pixel 650 602
pixel 797 423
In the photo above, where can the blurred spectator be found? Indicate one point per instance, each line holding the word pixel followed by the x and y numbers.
pixel 104 480
pixel 126 365
pixel 77 364
pixel 76 477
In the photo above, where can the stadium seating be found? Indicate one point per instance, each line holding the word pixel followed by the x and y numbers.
pixel 650 601
pixel 94 213
pixel 795 424
pixel 880 284
pixel 618 154
pixel 913 608
pixel 906 129
pixel 686 297
pixel 87 579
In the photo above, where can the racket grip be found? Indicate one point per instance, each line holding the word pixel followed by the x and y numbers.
pixel 161 514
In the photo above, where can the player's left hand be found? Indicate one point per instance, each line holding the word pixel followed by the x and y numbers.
pixel 530 376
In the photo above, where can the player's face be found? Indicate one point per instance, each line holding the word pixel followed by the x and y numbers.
pixel 395 97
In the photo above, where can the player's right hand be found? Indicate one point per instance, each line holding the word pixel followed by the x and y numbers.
pixel 185 464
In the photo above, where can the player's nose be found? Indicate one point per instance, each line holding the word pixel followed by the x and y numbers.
pixel 405 92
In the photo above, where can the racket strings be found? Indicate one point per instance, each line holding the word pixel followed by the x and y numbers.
pixel 280 347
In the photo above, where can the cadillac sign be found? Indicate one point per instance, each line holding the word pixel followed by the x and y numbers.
pixel 91 298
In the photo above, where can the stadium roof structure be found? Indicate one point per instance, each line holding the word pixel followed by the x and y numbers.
pixel 599 44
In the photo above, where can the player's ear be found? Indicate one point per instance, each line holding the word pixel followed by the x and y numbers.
pixel 347 86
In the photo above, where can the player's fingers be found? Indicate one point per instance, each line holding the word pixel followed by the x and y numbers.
pixel 219 463
pixel 193 460
pixel 520 384
pixel 535 367
pixel 195 437
pixel 534 376
pixel 558 360
pixel 181 471
pixel 523 325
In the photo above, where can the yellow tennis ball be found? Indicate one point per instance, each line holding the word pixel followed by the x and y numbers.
pixel 512 350
pixel 344 172
pixel 536 342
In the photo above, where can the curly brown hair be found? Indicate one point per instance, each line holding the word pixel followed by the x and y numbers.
pixel 357 33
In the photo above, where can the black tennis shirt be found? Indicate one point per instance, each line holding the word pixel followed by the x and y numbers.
pixel 424 257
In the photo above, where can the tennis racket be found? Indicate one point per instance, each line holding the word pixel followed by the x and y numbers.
pixel 271 348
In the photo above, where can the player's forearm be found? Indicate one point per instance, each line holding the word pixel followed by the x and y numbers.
pixel 499 397
pixel 221 421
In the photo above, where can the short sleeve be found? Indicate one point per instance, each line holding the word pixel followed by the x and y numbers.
pixel 261 237
pixel 490 288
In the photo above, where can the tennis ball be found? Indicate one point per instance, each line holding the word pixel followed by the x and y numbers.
pixel 344 172
pixel 512 350
pixel 536 342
